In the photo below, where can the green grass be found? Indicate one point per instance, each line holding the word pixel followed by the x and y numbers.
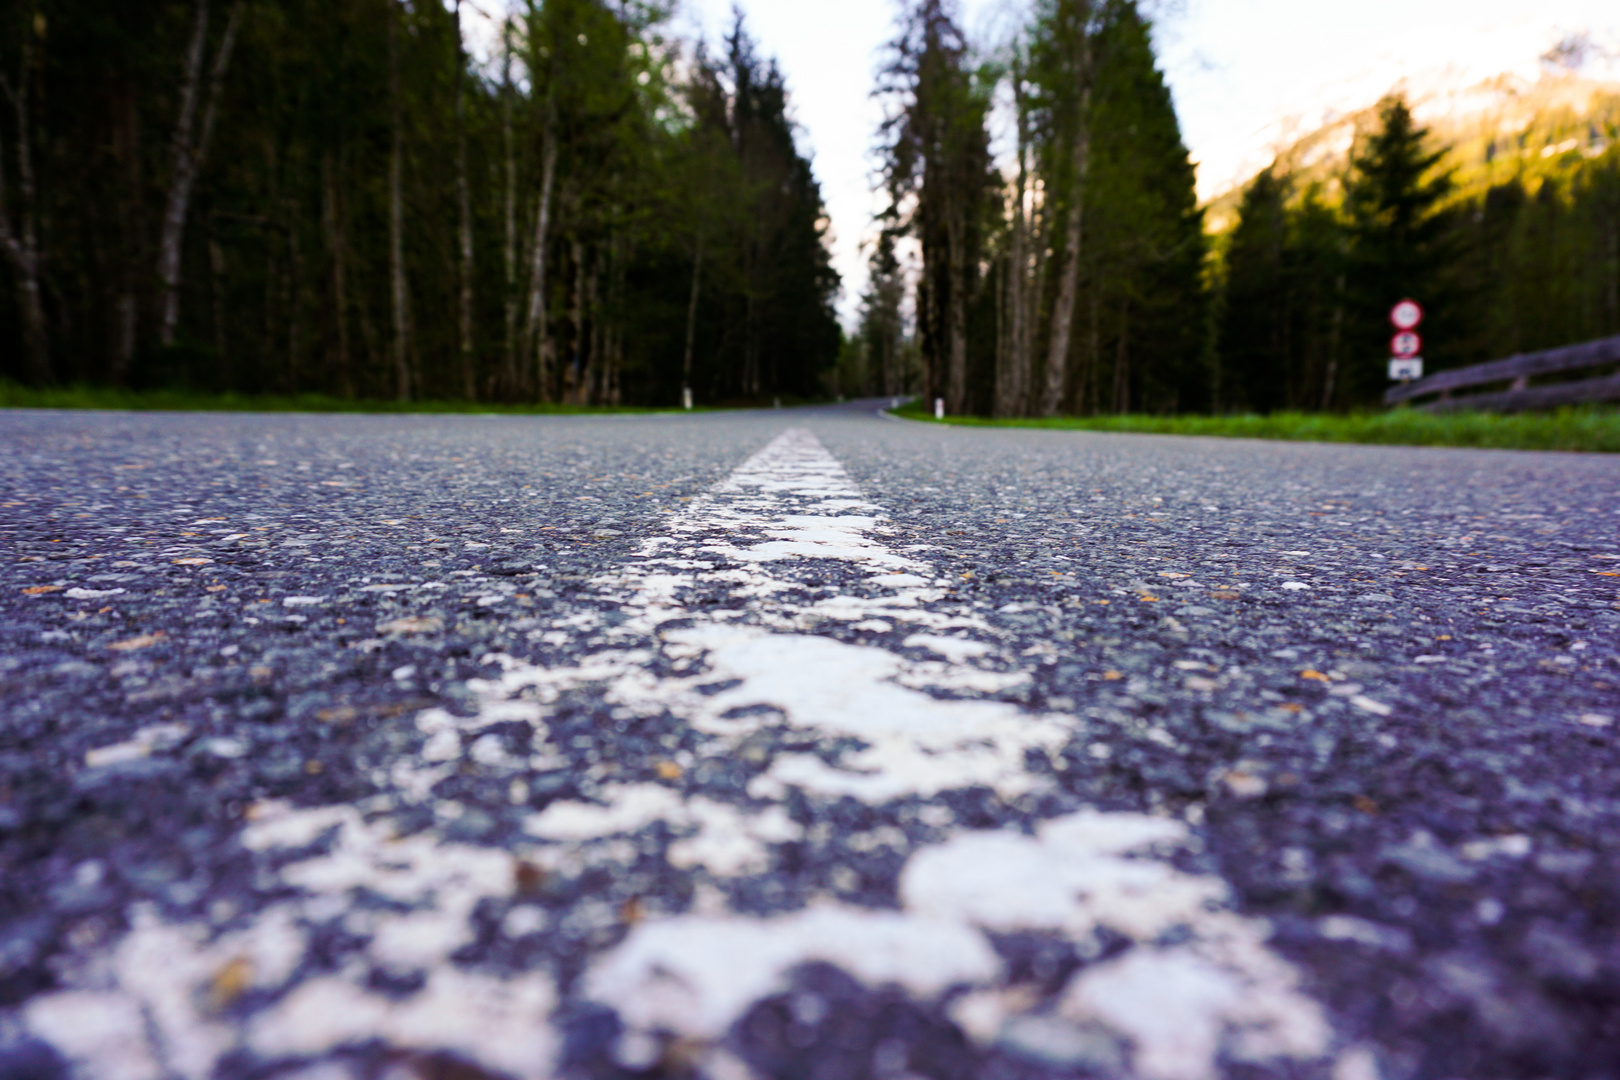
pixel 14 396
pixel 1587 428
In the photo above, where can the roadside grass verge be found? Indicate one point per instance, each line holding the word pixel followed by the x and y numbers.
pixel 1592 428
pixel 15 396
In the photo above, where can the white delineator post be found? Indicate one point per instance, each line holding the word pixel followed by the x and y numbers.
pixel 939 408
pixel 686 398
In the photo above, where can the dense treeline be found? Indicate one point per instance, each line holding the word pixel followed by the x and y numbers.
pixel 331 195
pixel 1072 282
pixel 1078 278
pixel 1526 264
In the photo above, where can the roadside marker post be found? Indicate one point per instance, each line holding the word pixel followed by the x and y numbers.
pixel 939 408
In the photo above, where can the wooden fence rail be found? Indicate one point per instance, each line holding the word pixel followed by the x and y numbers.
pixel 1517 371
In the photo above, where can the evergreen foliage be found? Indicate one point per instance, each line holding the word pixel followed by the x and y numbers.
pixel 1529 263
pixel 1399 243
pixel 1143 296
pixel 330 197
pixel 600 157
pixel 1103 184
pixel 939 182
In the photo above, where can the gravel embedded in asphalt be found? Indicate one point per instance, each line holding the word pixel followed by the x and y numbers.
pixel 800 743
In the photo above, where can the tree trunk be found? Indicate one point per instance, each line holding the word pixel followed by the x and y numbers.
pixel 1086 395
pixel 928 327
pixel 1334 338
pixel 216 296
pixel 956 310
pixel 535 332
pixel 337 256
pixel 1040 259
pixel 464 199
pixel 574 378
pixel 398 287
pixel 509 252
pixel 21 244
pixel 131 218
pixel 1122 360
pixel 1012 383
pixel 1057 355
pixel 691 321
pixel 594 357
pixel 188 156
pixel 294 294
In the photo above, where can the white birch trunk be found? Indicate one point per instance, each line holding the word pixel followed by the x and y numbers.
pixel 189 155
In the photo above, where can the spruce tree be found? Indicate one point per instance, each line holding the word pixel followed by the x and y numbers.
pixel 1399 242
pixel 1141 314
pixel 1254 323
pixel 1314 273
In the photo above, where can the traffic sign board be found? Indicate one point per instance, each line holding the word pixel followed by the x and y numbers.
pixel 1410 367
pixel 1406 314
pixel 1405 343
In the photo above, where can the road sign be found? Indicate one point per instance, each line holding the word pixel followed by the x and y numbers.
pixel 1405 368
pixel 1405 344
pixel 1406 314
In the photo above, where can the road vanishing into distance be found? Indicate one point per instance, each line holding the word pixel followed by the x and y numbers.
pixel 800 744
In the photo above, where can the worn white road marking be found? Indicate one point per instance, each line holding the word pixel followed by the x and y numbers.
pixel 741 623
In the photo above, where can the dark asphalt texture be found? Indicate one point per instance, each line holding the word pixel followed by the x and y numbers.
pixel 1382 684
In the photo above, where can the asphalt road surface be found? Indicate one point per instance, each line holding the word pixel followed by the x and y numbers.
pixel 800 744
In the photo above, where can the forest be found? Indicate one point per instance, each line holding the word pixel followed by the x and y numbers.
pixel 333 196
pixel 338 197
pixel 1082 278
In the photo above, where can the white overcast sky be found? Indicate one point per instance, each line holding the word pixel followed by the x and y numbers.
pixel 1242 71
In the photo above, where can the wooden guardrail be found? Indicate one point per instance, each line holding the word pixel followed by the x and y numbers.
pixel 1517 371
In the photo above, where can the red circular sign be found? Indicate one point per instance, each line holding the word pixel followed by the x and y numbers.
pixel 1406 314
pixel 1405 344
